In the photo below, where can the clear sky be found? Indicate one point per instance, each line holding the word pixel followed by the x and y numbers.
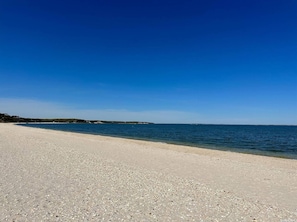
pixel 150 60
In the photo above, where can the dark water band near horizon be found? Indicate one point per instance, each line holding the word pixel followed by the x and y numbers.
pixel 277 141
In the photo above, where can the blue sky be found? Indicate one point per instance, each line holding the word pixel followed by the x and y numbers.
pixel 232 62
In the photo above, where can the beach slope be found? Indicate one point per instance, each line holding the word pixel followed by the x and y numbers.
pixel 50 175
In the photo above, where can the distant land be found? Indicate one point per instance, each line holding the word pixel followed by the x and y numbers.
pixel 5 118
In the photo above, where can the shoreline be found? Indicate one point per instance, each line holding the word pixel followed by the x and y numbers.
pixel 274 154
pixel 97 177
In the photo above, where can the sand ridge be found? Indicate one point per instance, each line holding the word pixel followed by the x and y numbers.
pixel 60 176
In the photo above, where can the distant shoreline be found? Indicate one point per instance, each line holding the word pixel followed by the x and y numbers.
pixel 5 118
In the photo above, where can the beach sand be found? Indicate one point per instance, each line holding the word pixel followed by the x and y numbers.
pixel 50 175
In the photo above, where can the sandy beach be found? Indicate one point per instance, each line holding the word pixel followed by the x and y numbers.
pixel 60 176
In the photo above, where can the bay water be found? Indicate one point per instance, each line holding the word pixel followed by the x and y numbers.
pixel 279 141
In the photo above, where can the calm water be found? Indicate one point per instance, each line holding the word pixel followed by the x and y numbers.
pixel 278 141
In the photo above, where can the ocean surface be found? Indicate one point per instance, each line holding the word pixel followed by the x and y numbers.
pixel 280 141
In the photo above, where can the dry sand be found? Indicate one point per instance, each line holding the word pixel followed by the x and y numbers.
pixel 59 176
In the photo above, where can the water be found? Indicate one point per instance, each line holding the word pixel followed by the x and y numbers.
pixel 280 141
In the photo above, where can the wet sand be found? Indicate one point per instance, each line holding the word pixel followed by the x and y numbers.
pixel 60 176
